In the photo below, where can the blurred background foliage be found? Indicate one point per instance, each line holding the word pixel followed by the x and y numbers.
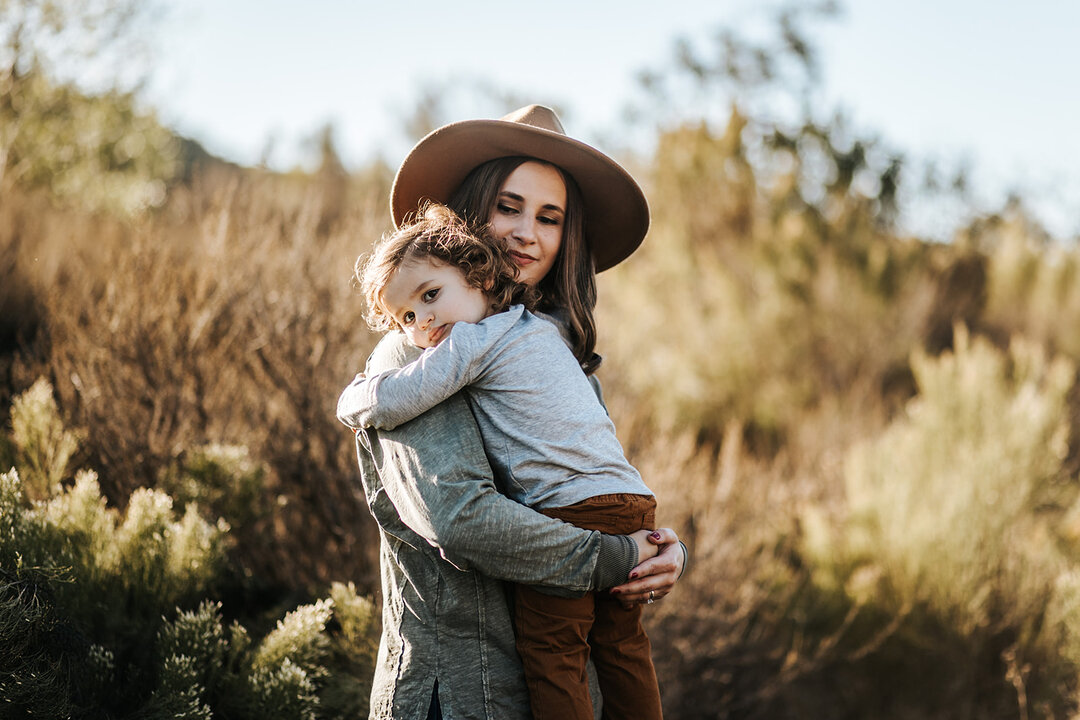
pixel 869 440
pixel 98 150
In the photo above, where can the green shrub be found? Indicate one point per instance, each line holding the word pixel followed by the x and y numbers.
pixel 353 651
pixel 179 694
pixel 298 638
pixel 200 636
pixel 1032 283
pixel 33 681
pixel 222 481
pixel 358 617
pixel 283 691
pixel 956 517
pixel 203 666
pixel 92 605
pixel 952 500
pixel 126 569
pixel 43 446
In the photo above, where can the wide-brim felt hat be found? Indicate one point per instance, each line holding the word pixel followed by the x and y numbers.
pixel 616 212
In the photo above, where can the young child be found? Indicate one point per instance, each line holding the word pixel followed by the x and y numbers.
pixel 548 437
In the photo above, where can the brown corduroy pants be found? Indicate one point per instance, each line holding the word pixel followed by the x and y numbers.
pixel 555 634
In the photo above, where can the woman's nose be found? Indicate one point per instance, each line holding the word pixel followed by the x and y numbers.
pixel 524 232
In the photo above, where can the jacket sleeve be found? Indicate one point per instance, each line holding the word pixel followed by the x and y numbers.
pixel 434 471
pixel 399 394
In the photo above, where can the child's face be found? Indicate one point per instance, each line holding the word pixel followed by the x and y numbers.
pixel 426 298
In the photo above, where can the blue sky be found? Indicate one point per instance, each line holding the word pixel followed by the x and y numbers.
pixel 990 84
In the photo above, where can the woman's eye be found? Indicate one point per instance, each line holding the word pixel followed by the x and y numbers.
pixel 505 209
pixel 430 294
pixel 408 317
pixel 549 220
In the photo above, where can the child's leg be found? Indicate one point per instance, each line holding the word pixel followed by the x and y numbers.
pixel 552 639
pixel 619 646
pixel 623 659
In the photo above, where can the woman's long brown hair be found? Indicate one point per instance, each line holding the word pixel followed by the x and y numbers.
pixel 570 285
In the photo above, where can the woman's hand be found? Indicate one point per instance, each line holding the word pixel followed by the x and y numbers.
pixel 654 578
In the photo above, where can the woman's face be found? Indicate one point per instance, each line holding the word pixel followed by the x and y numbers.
pixel 529 214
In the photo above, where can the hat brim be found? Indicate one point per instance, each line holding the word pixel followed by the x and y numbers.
pixel 616 212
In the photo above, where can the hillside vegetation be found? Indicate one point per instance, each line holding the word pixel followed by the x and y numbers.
pixel 868 440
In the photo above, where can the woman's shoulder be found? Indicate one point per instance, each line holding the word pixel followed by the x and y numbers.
pixel 548 321
pixel 561 322
pixel 555 316
pixel 393 351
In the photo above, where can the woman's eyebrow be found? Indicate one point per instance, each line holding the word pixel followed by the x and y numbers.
pixel 519 198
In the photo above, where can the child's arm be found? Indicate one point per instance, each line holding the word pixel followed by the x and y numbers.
pixel 429 484
pixel 393 397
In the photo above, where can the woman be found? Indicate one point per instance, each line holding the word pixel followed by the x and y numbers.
pixel 445 529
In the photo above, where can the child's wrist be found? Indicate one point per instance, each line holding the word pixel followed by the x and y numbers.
pixel 646 550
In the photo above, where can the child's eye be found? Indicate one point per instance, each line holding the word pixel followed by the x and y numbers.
pixel 430 295
pixel 408 317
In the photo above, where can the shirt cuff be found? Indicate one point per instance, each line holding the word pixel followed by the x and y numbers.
pixel 618 556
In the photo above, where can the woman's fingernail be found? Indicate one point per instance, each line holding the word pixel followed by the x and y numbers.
pixel 655 536
pixel 633 576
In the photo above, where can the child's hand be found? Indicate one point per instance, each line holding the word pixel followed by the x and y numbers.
pixel 646 550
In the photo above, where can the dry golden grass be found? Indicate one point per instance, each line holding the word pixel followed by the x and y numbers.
pixel 751 346
pixel 228 318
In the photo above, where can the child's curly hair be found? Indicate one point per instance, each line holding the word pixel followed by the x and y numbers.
pixel 436 232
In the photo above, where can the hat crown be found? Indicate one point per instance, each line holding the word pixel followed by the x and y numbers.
pixel 538 116
pixel 616 212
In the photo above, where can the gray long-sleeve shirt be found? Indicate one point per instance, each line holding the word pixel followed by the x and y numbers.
pixel 446 536
pixel 545 431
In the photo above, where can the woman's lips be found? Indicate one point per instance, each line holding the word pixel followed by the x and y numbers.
pixel 522 258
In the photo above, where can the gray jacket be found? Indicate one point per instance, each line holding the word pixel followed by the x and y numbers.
pixel 447 536
pixel 544 429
